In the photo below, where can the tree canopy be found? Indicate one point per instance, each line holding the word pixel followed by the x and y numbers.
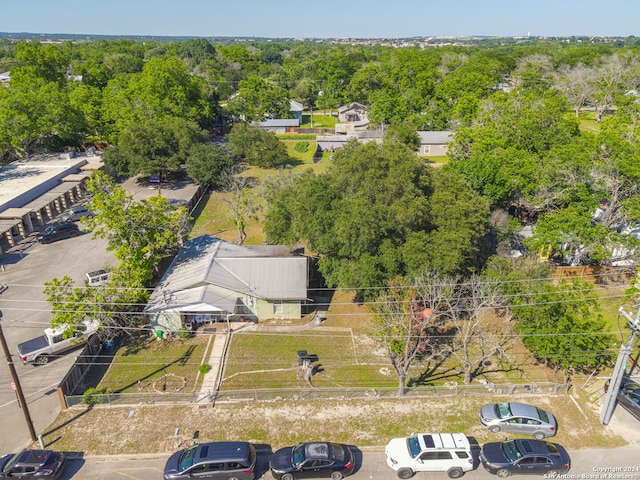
pixel 379 212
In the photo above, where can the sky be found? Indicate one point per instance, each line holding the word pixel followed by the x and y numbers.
pixel 323 18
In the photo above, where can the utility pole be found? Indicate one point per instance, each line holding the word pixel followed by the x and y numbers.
pixel 16 381
pixel 621 366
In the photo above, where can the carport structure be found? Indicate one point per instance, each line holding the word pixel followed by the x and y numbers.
pixel 38 191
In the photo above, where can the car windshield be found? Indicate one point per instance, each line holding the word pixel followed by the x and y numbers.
pixel 10 463
pixel 414 446
pixel 297 455
pixel 503 410
pixel 187 458
pixel 543 415
pixel 511 451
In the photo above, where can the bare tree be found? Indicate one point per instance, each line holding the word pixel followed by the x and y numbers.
pixel 403 325
pixel 476 340
pixel 240 198
pixel 576 84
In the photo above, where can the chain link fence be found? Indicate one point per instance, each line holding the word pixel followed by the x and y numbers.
pixel 275 394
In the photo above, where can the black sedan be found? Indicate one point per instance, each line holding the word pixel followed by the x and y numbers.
pixel 32 464
pixel 525 456
pixel 629 397
pixel 311 460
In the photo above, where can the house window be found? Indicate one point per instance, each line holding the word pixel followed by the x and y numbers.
pixel 427 149
pixel 277 306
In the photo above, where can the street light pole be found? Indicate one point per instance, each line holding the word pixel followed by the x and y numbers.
pixel 618 371
pixel 16 381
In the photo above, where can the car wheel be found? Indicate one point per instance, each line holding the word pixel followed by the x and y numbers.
pixel 552 474
pixel 47 241
pixel 503 473
pixel 405 473
pixel 539 436
pixel 455 472
pixel 42 360
pixel 286 476
pixel 72 234
pixel 336 476
pixel 495 429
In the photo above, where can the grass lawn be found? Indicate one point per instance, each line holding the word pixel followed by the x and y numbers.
pixel 139 365
pixel 587 121
pixel 320 120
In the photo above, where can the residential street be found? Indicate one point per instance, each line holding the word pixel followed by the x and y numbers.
pixel 598 464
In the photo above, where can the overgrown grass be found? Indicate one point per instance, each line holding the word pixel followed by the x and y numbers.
pixel 137 365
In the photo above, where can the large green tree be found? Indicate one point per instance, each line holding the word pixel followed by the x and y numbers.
pixel 256 146
pixel 379 212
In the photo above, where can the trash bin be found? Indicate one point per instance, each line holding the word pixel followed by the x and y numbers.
pixel 159 334
pixel 109 346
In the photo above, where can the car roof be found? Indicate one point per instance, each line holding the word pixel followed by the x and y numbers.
pixel 528 447
pixel 442 440
pixel 225 451
pixel 34 457
pixel 317 450
pixel 523 410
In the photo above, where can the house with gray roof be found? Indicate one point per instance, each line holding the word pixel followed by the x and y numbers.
pixel 211 280
pixel 434 144
pixel 280 125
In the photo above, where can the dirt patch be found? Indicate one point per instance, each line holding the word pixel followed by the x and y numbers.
pixel 365 423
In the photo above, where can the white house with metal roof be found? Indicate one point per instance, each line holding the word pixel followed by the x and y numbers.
pixel 434 144
pixel 211 280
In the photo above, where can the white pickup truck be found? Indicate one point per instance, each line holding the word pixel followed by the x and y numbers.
pixel 39 350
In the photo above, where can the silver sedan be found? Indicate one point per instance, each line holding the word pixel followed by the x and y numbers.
pixel 518 418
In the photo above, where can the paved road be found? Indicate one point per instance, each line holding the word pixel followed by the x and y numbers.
pixel 371 466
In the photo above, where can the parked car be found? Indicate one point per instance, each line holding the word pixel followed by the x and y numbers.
pixel 76 214
pixel 629 397
pixel 97 278
pixel 312 459
pixel 216 460
pixel 32 464
pixel 58 231
pixel 523 456
pixel 430 452
pixel 518 418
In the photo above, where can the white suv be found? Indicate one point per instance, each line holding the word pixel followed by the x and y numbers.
pixel 430 452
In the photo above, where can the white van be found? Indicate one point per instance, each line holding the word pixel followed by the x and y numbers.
pixel 430 452
pixel 97 278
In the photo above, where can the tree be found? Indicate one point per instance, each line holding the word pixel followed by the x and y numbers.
pixel 376 214
pixel 139 233
pixel 403 324
pixel 562 325
pixel 156 146
pixel 256 147
pixel 239 198
pixel 164 88
pixel 207 164
pixel 476 340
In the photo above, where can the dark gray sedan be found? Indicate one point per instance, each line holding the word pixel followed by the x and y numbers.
pixel 518 418
pixel 629 397
pixel 523 456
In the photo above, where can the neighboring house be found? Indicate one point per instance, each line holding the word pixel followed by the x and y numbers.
pixel 211 280
pixel 355 112
pixel 434 144
pixel 331 143
pixel 296 109
pixel 280 125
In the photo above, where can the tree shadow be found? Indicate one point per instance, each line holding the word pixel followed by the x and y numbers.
pixel 182 360
pixel 68 422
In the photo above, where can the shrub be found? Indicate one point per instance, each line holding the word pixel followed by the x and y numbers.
pixel 204 368
pixel 301 147
pixel 183 333
pixel 90 395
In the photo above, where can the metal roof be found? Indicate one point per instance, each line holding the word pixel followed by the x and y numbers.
pixel 435 138
pixel 208 267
